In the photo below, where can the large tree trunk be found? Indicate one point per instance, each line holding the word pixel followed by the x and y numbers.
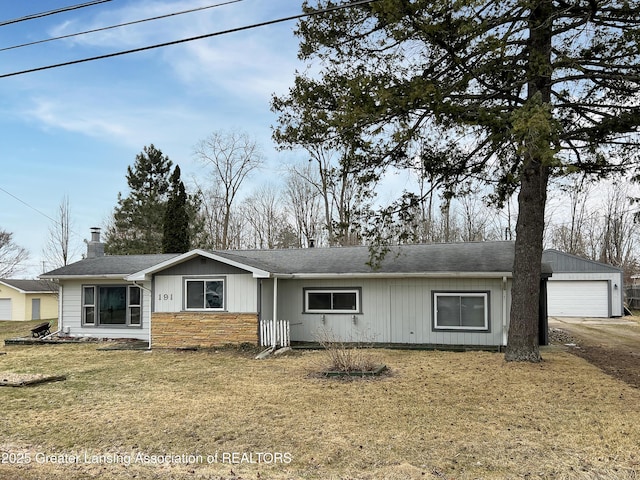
pixel 534 131
pixel 527 268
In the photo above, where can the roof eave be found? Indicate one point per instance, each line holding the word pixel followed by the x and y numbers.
pixel 114 276
pixel 146 274
pixel 395 275
pixel 37 292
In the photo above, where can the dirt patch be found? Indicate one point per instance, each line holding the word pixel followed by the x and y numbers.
pixel 25 379
pixel 613 346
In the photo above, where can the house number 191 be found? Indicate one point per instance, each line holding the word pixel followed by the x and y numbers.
pixel 165 296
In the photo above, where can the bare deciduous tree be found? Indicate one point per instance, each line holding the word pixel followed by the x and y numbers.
pixel 231 156
pixel 58 250
pixel 598 225
pixel 571 234
pixel 303 200
pixel 11 255
pixel 266 217
pixel 619 231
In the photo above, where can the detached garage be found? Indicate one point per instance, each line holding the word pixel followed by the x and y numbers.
pixel 583 288
pixel 28 299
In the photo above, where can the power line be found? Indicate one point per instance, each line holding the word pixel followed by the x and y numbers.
pixel 117 26
pixel 190 39
pixel 57 222
pixel 52 12
pixel 30 206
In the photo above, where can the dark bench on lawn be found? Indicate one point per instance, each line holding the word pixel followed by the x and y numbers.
pixel 41 330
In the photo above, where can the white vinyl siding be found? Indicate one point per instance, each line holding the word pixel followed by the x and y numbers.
pixel 72 314
pixel 396 310
pixel 241 293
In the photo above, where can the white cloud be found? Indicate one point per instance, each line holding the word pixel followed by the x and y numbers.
pixel 254 63
pixel 114 122
pixel 55 114
pixel 243 68
pixel 130 36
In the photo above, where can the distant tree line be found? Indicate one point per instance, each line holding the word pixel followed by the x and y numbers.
pixel 320 201
pixel 317 201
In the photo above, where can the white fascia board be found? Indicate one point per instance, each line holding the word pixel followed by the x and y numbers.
pixel 319 276
pixel 145 274
pixel 25 292
pixel 19 290
pixel 115 276
pixel 36 292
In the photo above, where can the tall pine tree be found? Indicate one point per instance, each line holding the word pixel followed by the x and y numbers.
pixel 137 224
pixel 176 238
pixel 512 93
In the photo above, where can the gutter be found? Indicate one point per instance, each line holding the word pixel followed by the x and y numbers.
pixel 111 276
pixel 319 276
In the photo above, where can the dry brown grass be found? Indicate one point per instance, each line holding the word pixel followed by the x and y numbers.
pixel 439 415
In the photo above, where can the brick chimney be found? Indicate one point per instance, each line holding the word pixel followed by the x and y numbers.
pixel 95 248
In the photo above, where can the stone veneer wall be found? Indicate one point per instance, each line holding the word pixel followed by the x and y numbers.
pixel 202 329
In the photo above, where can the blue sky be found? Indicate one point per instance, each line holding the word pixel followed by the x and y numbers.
pixel 74 130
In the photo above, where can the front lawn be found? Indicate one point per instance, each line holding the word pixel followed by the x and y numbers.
pixel 440 415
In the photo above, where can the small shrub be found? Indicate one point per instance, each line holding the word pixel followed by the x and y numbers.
pixel 346 356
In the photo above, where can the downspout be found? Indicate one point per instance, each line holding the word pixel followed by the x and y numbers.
pixel 135 282
pixel 504 312
pixel 259 300
pixel 275 299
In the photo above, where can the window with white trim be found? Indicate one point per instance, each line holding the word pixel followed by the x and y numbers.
pixel 111 305
pixel 204 294
pixel 461 311
pixel 327 300
pixel 89 305
pixel 135 305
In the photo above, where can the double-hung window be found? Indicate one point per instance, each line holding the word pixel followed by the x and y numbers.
pixel 89 305
pixel 112 305
pixel 204 294
pixel 461 311
pixel 327 300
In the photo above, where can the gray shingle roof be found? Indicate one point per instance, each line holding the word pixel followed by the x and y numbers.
pixel 109 265
pixel 442 257
pixel 31 285
pixel 475 257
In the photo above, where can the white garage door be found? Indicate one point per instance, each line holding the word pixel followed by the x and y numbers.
pixel 578 298
pixel 5 309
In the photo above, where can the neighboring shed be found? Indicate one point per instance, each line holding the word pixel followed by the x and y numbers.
pixel 583 288
pixel 28 299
